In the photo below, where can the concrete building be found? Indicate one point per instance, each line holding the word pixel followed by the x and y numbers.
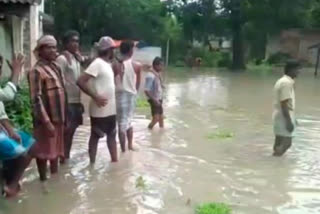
pixel 21 24
pixel 296 43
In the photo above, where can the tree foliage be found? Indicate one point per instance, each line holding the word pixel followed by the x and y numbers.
pixel 248 22
pixel 121 19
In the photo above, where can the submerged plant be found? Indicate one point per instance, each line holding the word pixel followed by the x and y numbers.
pixel 213 208
pixel 220 135
pixel 141 183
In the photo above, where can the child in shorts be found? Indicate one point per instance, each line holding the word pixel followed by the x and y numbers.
pixel 154 92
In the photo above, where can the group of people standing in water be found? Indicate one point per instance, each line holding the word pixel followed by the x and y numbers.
pixel 112 82
pixel 56 81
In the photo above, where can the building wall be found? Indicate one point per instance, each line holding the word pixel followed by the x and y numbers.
pixel 295 43
pixel 309 55
pixel 5 44
pixel 26 43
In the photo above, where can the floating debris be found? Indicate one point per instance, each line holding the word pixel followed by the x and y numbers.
pixel 188 202
pixel 213 208
pixel 141 183
pixel 220 135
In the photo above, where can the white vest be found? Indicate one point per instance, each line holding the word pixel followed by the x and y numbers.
pixel 129 78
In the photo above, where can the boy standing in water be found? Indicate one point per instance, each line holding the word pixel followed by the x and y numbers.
pixel 284 122
pixel 154 92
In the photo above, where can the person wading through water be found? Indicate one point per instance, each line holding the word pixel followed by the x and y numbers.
pixel 98 82
pixel 284 122
pixel 70 63
pixel 49 107
pixel 154 91
pixel 128 78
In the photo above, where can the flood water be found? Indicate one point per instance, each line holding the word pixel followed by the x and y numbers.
pixel 179 167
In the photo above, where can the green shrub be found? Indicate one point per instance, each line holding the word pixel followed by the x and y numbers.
pixel 142 103
pixel 213 208
pixel 261 68
pixel 225 60
pixel 19 110
pixel 179 63
pixel 278 58
pixel 211 58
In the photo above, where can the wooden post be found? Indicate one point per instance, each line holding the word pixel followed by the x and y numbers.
pixel 317 64
pixel 167 54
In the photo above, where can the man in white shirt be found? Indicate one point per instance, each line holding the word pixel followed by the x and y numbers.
pixel 98 82
pixel 284 122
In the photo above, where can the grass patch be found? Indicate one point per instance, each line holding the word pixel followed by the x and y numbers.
pixel 220 134
pixel 213 208
pixel 262 68
pixel 142 103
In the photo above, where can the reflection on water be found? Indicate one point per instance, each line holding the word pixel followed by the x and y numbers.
pixel 180 165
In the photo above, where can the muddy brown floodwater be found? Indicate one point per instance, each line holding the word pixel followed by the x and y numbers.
pixel 181 166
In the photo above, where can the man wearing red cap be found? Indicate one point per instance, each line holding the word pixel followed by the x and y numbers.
pixel 49 106
pixel 98 82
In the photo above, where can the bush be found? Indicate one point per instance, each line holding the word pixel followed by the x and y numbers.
pixel 142 103
pixel 261 68
pixel 278 58
pixel 19 110
pixel 179 63
pixel 211 58
pixel 213 208
pixel 225 60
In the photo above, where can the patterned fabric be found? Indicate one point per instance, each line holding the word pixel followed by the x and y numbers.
pixel 47 93
pixel 48 148
pixel 125 109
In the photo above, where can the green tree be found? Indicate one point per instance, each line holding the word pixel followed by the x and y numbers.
pixel 171 33
pixel 121 19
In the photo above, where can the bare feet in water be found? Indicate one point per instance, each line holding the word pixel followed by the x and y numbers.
pixel 44 188
pixel 11 192
pixel 133 149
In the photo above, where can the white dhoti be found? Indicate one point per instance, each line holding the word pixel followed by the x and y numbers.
pixel 279 124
